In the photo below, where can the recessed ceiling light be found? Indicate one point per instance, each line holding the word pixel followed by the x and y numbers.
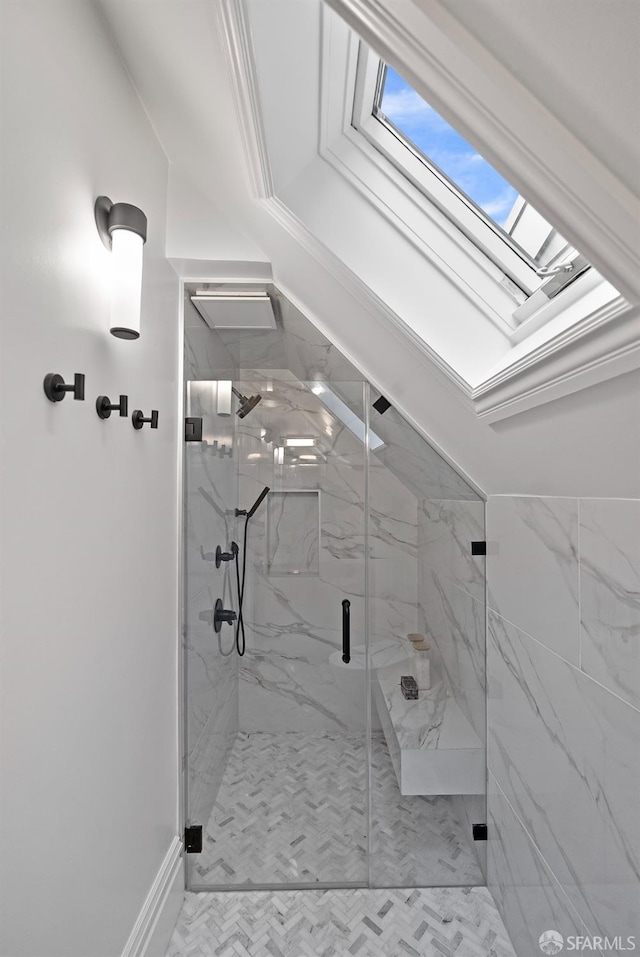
pixel 247 298
pixel 299 442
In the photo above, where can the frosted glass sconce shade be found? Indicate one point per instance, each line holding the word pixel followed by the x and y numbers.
pixel 123 230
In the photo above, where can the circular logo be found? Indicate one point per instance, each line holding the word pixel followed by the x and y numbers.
pixel 551 942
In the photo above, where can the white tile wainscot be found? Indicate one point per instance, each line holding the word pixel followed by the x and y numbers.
pixel 433 748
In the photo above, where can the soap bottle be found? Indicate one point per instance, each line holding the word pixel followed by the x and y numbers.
pixel 422 665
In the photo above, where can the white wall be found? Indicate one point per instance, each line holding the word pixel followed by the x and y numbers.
pixel 88 509
pixel 585 69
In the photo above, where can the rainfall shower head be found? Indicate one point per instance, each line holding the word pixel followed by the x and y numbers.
pixel 247 403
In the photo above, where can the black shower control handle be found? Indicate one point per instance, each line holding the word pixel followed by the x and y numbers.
pixel 222 614
pixel 225 556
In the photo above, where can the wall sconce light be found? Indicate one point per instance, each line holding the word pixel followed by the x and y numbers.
pixel 123 230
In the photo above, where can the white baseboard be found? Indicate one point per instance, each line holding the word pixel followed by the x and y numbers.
pixel 156 920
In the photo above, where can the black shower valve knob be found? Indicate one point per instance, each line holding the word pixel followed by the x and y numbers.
pixel 222 614
pixel 104 407
pixel 138 419
pixel 55 388
pixel 225 556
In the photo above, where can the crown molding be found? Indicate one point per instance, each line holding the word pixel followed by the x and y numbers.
pixel 232 19
pixel 603 345
pixel 490 106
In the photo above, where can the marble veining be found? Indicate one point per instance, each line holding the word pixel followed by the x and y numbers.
pixel 279 692
pixel 564 752
pixel 455 625
pixel 293 532
pixel 434 720
pixel 531 900
pixel 445 532
pixel 610 595
pixel 533 569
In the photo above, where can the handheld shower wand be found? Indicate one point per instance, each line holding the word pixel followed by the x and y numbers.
pixel 240 635
pixel 256 505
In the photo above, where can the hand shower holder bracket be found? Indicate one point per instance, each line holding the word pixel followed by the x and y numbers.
pixel 226 556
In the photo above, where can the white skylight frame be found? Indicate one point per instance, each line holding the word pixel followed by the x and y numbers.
pixel 435 186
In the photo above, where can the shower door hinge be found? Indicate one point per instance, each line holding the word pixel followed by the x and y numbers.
pixel 480 832
pixel 478 548
pixel 193 839
pixel 193 429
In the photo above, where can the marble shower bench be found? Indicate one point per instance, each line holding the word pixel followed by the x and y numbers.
pixel 433 748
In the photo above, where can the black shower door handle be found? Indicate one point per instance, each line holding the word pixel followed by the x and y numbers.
pixel 346 631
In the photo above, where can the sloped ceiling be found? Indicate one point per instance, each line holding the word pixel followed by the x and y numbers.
pixel 581 59
pixel 174 51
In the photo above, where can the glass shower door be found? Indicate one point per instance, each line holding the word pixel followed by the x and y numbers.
pixel 276 719
pixel 428 753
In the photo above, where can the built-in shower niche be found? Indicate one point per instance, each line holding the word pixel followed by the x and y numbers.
pixel 293 532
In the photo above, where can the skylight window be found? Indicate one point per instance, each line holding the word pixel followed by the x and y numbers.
pixel 536 261
pixel 447 151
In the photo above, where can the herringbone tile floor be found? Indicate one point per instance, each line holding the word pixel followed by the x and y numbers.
pixel 438 922
pixel 292 808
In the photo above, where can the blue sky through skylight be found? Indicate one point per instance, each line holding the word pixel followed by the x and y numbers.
pixel 440 143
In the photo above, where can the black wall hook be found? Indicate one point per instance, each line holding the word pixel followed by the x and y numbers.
pixel 138 419
pixel 55 387
pixel 104 408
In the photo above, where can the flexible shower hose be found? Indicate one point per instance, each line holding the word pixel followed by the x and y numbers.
pixel 240 635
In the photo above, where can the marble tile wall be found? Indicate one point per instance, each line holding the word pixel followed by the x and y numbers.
pixel 210 492
pixel 563 664
pixel 452 598
pixel 294 618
